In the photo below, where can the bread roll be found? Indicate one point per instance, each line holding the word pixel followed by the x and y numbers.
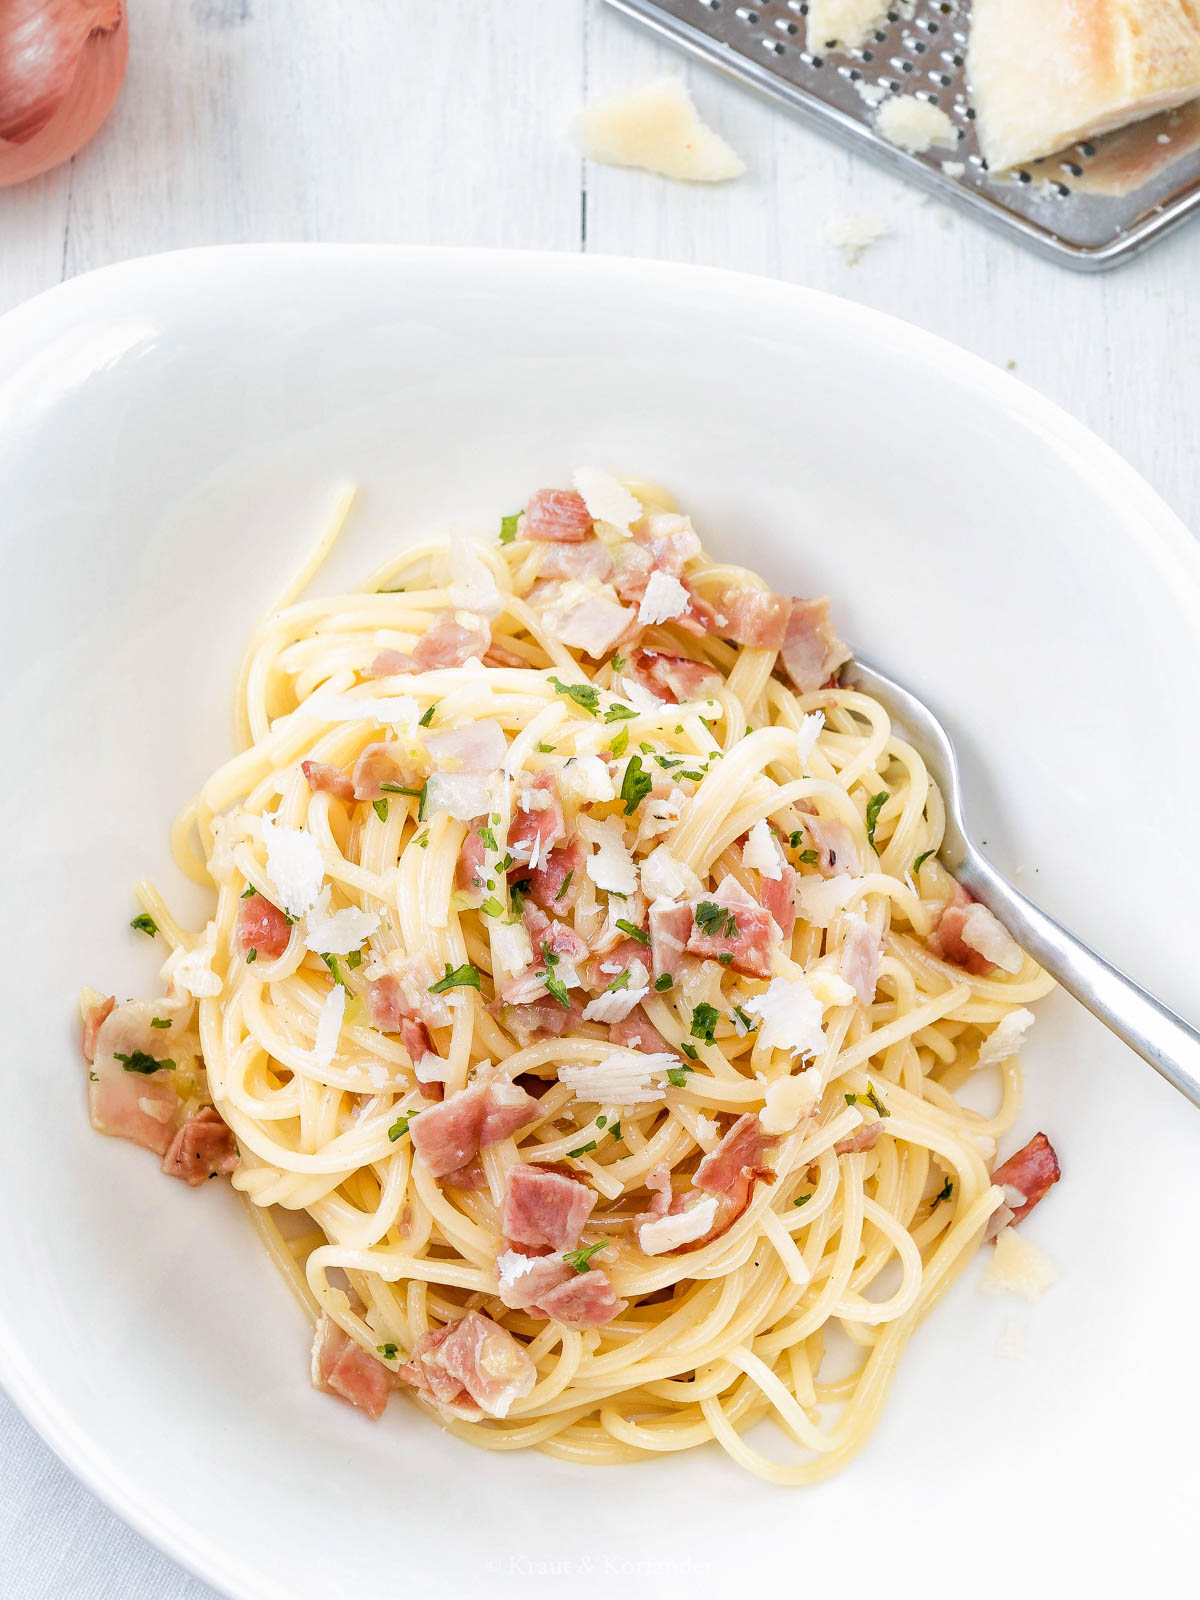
pixel 1045 73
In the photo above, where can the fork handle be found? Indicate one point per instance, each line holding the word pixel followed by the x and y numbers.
pixel 1166 1041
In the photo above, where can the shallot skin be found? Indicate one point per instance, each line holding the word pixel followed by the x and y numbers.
pixel 62 63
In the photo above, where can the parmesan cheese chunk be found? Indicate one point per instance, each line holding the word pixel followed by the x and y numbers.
pixel 337 933
pixel 609 866
pixel 607 499
pixel 294 866
pixel 664 599
pixel 666 878
pixel 621 1079
pixel 1017 1267
pixel 329 1027
pixel 386 709
pixel 669 1232
pixel 472 582
pixel 791 1016
pixel 1043 75
pixel 191 969
pixel 1005 1038
pixel 585 779
pixel 914 125
pixel 656 127
pixel 811 726
pixel 830 988
pixel 787 1100
pixel 820 899
pixel 760 852
pixel 614 1005
pixel 847 23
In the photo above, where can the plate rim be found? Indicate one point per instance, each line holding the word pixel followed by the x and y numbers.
pixel 1153 526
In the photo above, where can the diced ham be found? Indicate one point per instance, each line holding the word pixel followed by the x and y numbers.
pixel 602 969
pixel 539 1019
pixel 751 616
pixel 637 1032
pixel 778 896
pixel 404 992
pixel 96 1015
pixel 475 1358
pixel 984 933
pixel 738 1162
pixel 476 747
pixel 811 649
pixel 533 833
pixel 342 1367
pixel 864 1138
pixel 555 884
pixel 584 1300
pixel 446 643
pixel 631 572
pixel 658 1182
pixel 947 942
pixel 591 621
pixel 1031 1173
pixel 670 540
pixel 559 938
pixel 415 1038
pixel 557 516
pixel 670 930
pixel 378 764
pixel 468 874
pixel 744 933
pixel 545 1208
pixel 449 1135
pixel 858 963
pixel 585 561
pixel 263 927
pixel 326 779
pixel 124 1103
pixel 524 1279
pixel 835 846
pixel 203 1148
pixel 671 677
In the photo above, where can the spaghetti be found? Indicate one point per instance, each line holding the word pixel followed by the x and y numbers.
pixel 584 1008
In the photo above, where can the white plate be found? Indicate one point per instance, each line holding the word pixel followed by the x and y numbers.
pixel 171 434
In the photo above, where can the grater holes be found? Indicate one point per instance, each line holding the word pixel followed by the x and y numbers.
pixel 785 26
pixel 1073 168
pixel 746 14
pixel 774 47
pixel 943 79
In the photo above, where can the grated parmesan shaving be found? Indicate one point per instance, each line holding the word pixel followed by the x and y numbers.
pixel 669 1232
pixel 607 500
pixel 329 1027
pixel 1005 1038
pixel 621 1079
pixel 337 933
pixel 614 1005
pixel 760 852
pixel 791 1016
pixel 664 599
pixel 191 969
pixel 294 866
pixel 609 866
pixel 1017 1267
pixel 386 709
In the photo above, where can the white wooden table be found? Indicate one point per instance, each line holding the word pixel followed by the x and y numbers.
pixel 446 122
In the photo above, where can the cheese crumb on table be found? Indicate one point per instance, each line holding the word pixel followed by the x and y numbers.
pixel 1017 1267
pixel 656 127
pixel 914 125
pixel 853 235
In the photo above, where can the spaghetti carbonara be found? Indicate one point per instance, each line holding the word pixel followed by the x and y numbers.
pixel 584 1008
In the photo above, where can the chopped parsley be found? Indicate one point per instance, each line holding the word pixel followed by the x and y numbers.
pixel 426 719
pixel 251 955
pixel 354 959
pixel 93 1076
pixel 464 977
pixel 585 695
pixel 388 1351
pixel 399 788
pixel 422 840
pixel 160 1022
pixel 716 921
pixel 872 1099
pixel 695 777
pixel 617 662
pixel 802 1199
pixel 635 785
pixel 583 1149
pixel 491 907
pixel 508 527
pixel 704 1022
pixel 809 857
pixel 678 1076
pixel 663 983
pixel 139 1061
pixel 615 1130
pixel 725 958
pixel 144 924
pixel 619 713
pixel 251 890
pixel 851 1099
pixel 546 749
pixel 874 806
pixel 400 1127
pixel 489 838
pixel 566 884
pixel 944 1192
pixel 581 1259
pixel 331 962
pixel 557 989
pixel 921 860
pixel 621 743
pixel 621 981
pixel 632 929
pixel 747 1022
pixel 380 807
pixel 690 1051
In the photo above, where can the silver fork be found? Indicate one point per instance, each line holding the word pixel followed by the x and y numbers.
pixel 1168 1043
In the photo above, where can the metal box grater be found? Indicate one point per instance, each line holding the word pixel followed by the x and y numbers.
pixel 1091 207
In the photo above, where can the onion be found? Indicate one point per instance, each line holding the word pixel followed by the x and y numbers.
pixel 61 67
